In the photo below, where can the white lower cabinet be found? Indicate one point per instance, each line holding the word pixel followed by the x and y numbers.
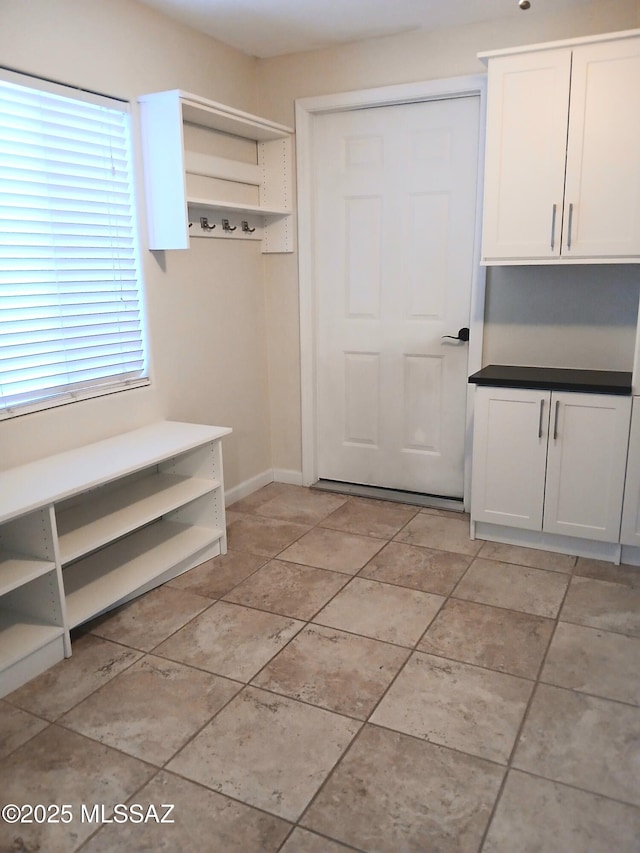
pixel 551 461
pixel 86 530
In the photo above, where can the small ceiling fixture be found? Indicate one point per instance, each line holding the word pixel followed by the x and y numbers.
pixel 524 4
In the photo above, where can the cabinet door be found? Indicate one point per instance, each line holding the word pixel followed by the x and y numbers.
pixel 509 456
pixel 602 195
pixel 587 456
pixel 527 110
pixel 630 530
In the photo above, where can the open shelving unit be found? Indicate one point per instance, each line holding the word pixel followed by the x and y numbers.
pixel 32 624
pixel 84 531
pixel 188 179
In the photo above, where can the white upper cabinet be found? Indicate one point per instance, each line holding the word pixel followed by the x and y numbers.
pixel 562 175
pixel 207 164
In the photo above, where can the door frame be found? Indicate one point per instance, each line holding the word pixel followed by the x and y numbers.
pixel 306 110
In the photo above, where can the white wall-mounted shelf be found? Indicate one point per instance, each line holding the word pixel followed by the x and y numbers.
pixel 83 531
pixel 254 182
pixel 231 207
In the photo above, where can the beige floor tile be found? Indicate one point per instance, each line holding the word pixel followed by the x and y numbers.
pixel 302 506
pixel 303 841
pixel 527 557
pixel 267 751
pixel 17 727
pixel 600 604
pixel 505 640
pixel 219 575
pixel 418 568
pixel 534 591
pixel 456 705
pixel 203 821
pixel 93 662
pixel 338 671
pixel 381 611
pixel 381 519
pixel 230 640
pixel 545 817
pixel 288 589
pixel 440 532
pixel 149 619
pixel 263 536
pixel 261 496
pixel 292 744
pixel 391 793
pixel 583 741
pixel 62 767
pixel 594 661
pixel 601 571
pixel 152 709
pixel 331 549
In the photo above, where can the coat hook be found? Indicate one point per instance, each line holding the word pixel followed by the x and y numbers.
pixel 245 227
pixel 227 227
pixel 204 224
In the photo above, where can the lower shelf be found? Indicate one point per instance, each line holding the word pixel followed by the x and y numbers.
pixel 22 636
pixel 100 580
pixel 18 569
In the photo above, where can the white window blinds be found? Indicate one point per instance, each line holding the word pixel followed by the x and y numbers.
pixel 70 297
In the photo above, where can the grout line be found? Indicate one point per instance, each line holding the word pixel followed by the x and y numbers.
pixel 524 719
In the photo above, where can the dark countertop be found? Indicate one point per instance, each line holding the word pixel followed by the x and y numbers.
pixel 554 379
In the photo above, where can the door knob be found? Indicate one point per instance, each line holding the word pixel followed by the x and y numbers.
pixel 463 335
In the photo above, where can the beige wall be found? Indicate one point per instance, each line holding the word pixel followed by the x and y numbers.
pixel 542 315
pixel 206 313
pixel 223 319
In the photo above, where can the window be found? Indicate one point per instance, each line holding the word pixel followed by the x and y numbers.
pixel 71 323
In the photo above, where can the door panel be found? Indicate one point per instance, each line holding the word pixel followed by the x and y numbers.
pixel 587 457
pixel 395 199
pixel 526 146
pixel 603 167
pixel 509 456
pixel 362 381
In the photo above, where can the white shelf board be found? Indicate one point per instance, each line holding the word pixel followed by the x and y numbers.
pixel 221 167
pixel 200 111
pixel 55 478
pixel 107 517
pixel 232 207
pixel 21 635
pixel 18 569
pixel 101 579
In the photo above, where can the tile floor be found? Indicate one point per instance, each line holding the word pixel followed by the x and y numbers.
pixel 352 675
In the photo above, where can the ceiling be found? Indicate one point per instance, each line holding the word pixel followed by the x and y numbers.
pixel 267 28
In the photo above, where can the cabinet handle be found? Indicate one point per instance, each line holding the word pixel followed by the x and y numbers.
pixel 570 224
pixel 541 413
pixel 553 227
pixel 555 422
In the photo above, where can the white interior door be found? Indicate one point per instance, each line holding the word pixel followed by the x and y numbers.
pixel 394 226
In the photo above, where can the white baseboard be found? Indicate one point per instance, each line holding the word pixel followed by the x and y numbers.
pixel 608 551
pixel 283 475
pixel 631 555
pixel 248 487
pixel 277 475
